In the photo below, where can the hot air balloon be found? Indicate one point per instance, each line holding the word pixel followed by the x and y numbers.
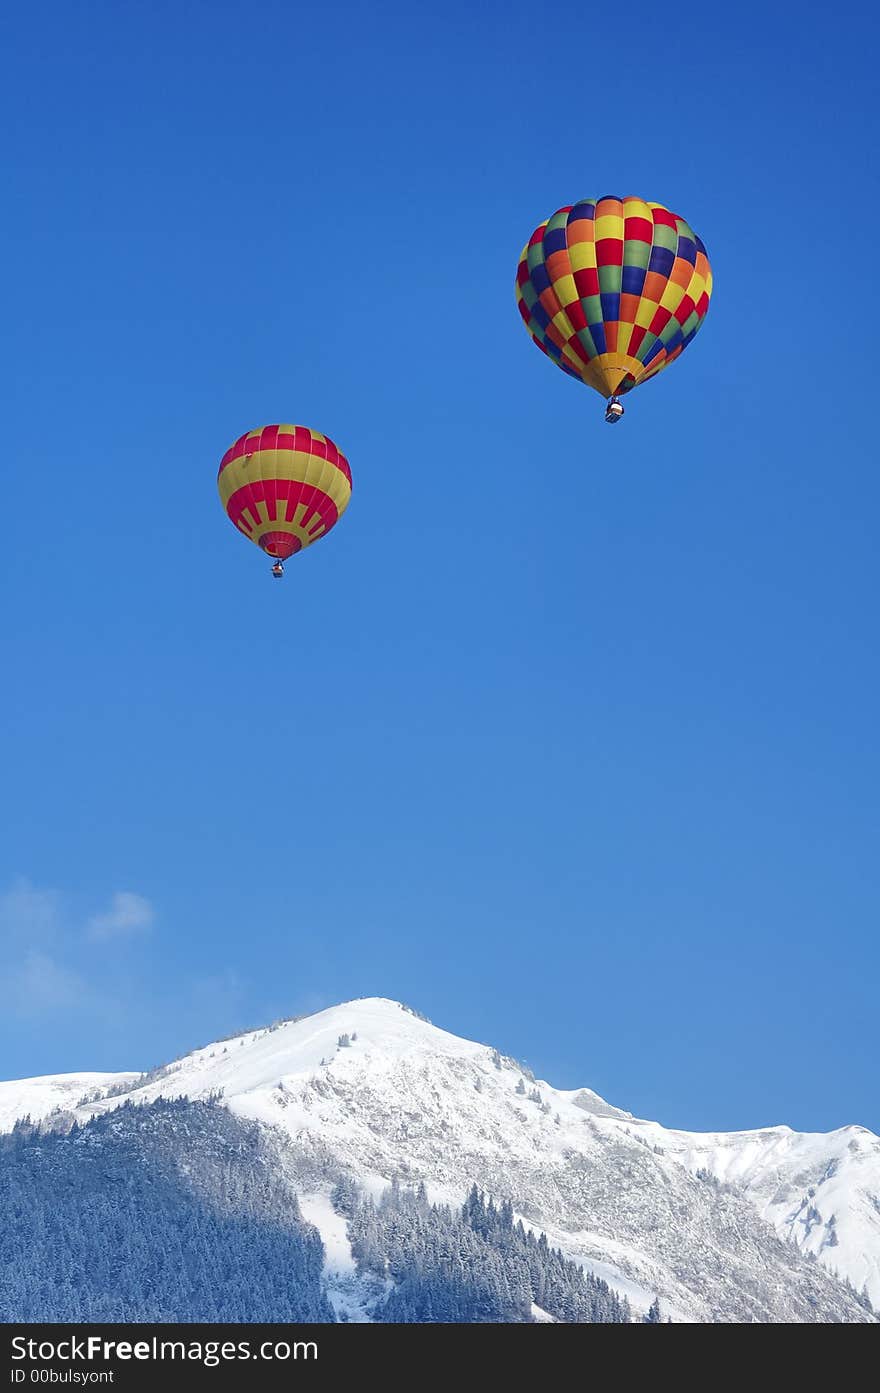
pixel 613 290
pixel 284 487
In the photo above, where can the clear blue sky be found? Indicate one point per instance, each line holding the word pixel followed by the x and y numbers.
pixel 568 737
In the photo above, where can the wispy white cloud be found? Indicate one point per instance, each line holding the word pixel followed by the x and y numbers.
pixel 46 966
pixel 29 915
pixel 40 986
pixel 128 914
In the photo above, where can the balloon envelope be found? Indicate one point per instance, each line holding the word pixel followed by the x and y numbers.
pixel 284 487
pixel 613 290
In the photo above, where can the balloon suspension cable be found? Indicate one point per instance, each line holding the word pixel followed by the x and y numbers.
pixel 613 411
pixel 278 570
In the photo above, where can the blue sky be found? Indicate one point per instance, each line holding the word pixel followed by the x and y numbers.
pixel 567 737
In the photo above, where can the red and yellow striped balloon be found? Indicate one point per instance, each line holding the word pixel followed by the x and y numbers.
pixel 284 487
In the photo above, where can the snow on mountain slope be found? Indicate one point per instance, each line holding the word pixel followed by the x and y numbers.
pixel 346 1290
pixel 40 1096
pixel 819 1189
pixel 403 1098
pixel 349 1294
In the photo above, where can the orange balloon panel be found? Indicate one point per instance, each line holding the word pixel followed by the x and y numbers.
pixel 284 487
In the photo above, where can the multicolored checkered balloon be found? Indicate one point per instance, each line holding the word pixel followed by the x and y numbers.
pixel 284 487
pixel 613 290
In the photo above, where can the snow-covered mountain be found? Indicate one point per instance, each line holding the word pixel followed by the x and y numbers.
pixel 371 1091
pixel 37 1098
pixel 819 1189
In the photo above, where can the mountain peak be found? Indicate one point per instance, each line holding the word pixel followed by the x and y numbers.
pixel 371 1090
